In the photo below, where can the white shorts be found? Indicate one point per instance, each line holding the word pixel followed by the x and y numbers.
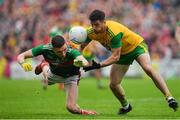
pixel 52 79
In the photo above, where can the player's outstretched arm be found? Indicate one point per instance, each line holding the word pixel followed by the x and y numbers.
pixel 116 52
pixel 21 60
pixel 112 59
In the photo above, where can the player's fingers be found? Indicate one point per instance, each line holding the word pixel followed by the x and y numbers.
pixel 25 68
pixel 29 66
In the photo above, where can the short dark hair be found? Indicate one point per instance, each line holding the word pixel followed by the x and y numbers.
pixel 96 15
pixel 57 41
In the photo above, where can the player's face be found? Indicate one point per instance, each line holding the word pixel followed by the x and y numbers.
pixel 61 52
pixel 98 26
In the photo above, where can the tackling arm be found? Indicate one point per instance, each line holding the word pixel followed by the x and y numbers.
pixel 113 58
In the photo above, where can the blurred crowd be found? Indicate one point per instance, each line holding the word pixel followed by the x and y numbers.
pixel 27 23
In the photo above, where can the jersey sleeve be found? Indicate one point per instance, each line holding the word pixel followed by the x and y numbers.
pixel 116 41
pixel 37 50
pixel 75 53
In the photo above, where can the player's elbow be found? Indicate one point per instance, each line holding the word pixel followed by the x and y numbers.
pixel 116 58
pixel 20 57
pixel 116 55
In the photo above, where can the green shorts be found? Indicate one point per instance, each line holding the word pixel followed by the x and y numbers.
pixel 129 58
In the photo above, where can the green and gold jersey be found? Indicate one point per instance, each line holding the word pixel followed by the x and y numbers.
pixel 115 36
pixel 58 66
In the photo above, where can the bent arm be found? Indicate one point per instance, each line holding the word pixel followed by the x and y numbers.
pixel 21 57
pixel 113 58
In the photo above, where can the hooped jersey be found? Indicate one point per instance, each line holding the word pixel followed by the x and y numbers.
pixel 116 35
pixel 58 66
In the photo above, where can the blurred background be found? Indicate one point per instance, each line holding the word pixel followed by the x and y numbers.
pixel 27 23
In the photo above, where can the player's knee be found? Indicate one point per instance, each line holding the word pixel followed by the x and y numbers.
pixel 148 69
pixel 113 85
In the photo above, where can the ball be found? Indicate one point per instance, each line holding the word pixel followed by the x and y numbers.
pixel 77 34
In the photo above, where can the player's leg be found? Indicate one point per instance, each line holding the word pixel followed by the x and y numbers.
pixel 145 63
pixel 71 105
pixel 43 67
pixel 71 96
pixel 116 75
pixel 71 88
pixel 45 72
pixel 38 68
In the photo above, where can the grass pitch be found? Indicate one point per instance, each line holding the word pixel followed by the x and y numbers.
pixel 25 99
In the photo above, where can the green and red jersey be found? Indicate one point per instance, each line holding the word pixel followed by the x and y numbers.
pixel 59 66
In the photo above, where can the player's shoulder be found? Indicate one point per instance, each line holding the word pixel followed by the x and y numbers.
pixel 112 22
pixel 114 27
pixel 43 47
pixel 46 46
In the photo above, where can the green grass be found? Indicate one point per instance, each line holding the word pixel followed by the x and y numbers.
pixel 26 99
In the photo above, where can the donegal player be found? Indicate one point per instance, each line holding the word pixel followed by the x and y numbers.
pixel 61 65
pixel 126 46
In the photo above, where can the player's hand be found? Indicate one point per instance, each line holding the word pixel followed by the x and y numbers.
pixel 78 63
pixel 27 66
pixel 94 65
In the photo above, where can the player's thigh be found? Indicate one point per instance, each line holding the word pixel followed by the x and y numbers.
pixel 71 93
pixel 144 61
pixel 117 73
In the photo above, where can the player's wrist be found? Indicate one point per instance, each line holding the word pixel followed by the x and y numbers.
pixel 100 64
pixel 96 65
